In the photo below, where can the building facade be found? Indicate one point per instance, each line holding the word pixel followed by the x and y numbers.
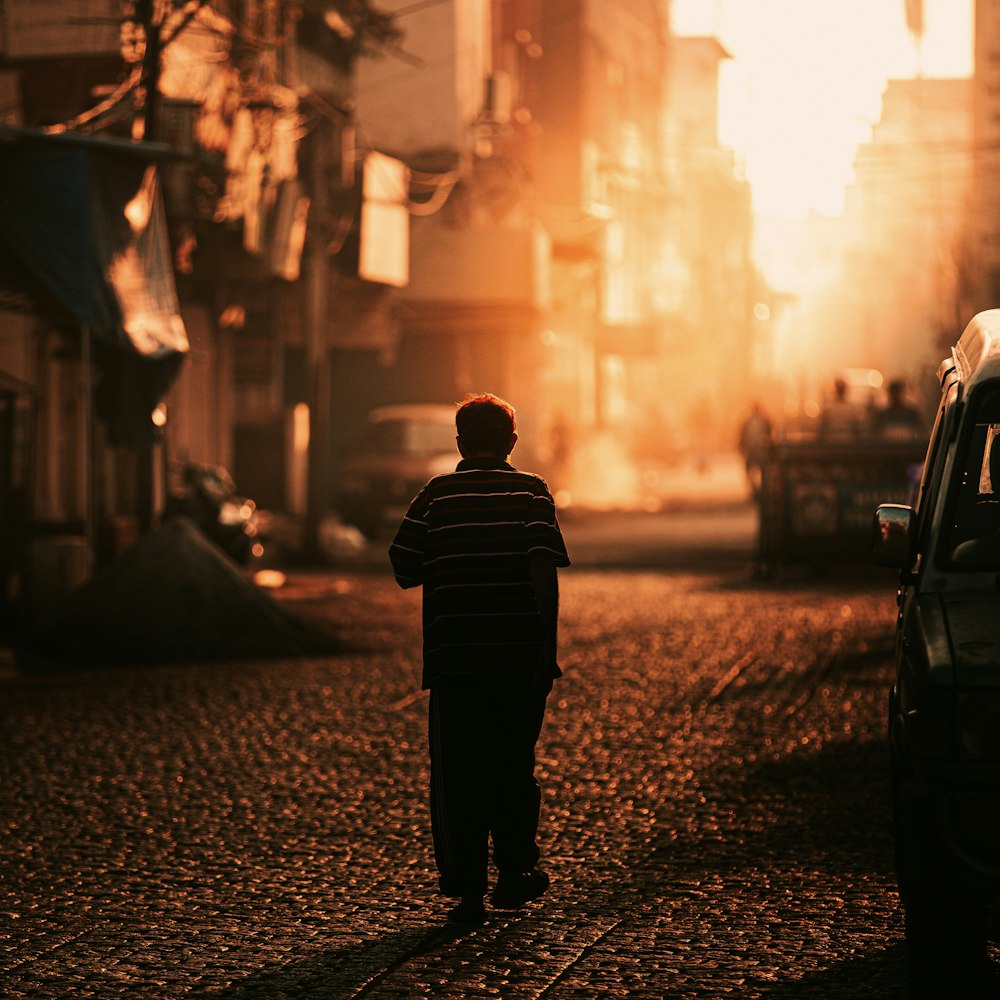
pixel 366 206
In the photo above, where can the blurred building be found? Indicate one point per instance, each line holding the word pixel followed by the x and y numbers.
pixel 981 257
pixel 161 301
pixel 92 331
pixel 899 294
pixel 709 281
pixel 468 317
pixel 328 206
pixel 586 237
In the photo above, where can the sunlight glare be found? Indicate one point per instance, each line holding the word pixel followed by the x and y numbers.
pixel 805 84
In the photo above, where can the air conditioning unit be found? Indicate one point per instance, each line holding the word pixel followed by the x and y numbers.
pixel 496 98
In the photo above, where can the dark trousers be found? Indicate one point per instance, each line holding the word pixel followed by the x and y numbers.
pixel 482 748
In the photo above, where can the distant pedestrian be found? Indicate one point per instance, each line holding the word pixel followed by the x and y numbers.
pixel 899 420
pixel 485 544
pixel 841 419
pixel 560 453
pixel 755 443
pixel 702 423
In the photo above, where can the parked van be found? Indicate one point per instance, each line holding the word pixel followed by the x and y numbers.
pixel 401 448
pixel 944 706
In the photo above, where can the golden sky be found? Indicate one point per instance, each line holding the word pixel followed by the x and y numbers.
pixel 806 79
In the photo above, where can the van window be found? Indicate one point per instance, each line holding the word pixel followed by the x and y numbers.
pixel 930 460
pixel 975 523
pixel 411 437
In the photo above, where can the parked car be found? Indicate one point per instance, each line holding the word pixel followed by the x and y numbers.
pixel 944 706
pixel 401 449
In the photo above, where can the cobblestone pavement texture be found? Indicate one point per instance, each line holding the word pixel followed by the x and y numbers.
pixel 714 819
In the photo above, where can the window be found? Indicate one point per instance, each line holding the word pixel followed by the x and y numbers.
pixel 975 520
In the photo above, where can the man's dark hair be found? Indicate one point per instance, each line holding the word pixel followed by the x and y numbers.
pixel 485 424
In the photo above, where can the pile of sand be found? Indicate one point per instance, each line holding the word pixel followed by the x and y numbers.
pixel 171 598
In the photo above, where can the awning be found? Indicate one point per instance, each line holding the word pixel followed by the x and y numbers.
pixel 87 224
pixel 83 241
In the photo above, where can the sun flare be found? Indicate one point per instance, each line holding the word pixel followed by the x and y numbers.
pixel 805 84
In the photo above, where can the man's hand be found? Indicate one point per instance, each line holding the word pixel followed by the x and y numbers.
pixel 546 669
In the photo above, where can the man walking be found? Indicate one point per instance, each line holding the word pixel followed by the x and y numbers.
pixel 485 544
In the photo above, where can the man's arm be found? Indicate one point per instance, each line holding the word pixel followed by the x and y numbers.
pixel 406 553
pixel 545 582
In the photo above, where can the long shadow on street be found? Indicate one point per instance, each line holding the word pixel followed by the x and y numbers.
pixel 351 971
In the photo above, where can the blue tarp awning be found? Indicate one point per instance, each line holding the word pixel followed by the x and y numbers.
pixel 83 241
pixel 87 224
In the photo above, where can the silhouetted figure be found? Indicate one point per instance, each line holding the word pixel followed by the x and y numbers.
pixel 702 421
pixel 899 420
pixel 841 419
pixel 560 453
pixel 755 443
pixel 485 544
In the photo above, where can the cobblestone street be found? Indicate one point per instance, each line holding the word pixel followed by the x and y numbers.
pixel 714 817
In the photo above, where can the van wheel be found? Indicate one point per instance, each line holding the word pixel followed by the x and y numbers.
pixel 945 928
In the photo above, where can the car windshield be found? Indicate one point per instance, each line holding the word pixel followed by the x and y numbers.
pixel 975 531
pixel 411 437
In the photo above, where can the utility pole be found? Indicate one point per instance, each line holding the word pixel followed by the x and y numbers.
pixel 145 472
pixel 150 67
pixel 318 381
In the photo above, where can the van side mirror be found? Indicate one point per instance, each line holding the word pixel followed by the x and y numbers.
pixel 893 536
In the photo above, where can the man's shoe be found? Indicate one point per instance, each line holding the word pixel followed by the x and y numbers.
pixel 514 890
pixel 468 912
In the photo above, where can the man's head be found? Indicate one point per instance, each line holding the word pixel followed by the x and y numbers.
pixel 486 426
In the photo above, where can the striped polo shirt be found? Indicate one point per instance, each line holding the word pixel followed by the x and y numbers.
pixel 466 539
